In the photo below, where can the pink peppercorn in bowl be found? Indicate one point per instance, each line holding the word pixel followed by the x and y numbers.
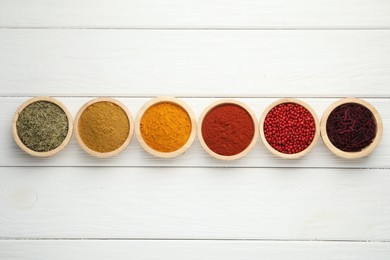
pixel 289 128
pixel 351 128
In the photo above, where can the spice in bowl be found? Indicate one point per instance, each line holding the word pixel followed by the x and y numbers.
pixel 351 128
pixel 165 127
pixel 289 128
pixel 104 127
pixel 228 129
pixel 42 126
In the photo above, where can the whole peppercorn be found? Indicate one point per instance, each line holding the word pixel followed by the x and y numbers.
pixel 289 128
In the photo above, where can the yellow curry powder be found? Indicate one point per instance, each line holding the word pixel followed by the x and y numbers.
pixel 165 127
pixel 104 126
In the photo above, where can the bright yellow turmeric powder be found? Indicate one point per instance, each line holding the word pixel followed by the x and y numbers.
pixel 165 127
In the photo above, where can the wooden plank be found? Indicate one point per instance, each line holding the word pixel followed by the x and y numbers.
pixel 195 63
pixel 196 14
pixel 175 203
pixel 134 155
pixel 170 250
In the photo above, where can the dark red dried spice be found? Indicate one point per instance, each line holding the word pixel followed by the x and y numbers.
pixel 228 129
pixel 289 128
pixel 351 127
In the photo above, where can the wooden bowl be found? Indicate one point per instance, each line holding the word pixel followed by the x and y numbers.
pixel 251 144
pixel 23 146
pixel 177 102
pixel 96 153
pixel 365 151
pixel 294 155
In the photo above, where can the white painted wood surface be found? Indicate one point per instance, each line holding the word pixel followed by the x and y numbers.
pixel 167 250
pixel 240 14
pixel 195 203
pixel 194 207
pixel 206 63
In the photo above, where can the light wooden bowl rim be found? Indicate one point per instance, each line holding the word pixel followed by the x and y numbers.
pixel 365 151
pixel 118 150
pixel 316 134
pixel 221 102
pixel 23 146
pixel 177 102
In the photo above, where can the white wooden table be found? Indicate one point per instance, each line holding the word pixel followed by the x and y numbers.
pixel 134 206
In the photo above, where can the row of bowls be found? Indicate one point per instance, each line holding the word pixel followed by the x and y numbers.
pixel 320 128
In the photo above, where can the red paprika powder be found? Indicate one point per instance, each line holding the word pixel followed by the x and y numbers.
pixel 228 129
pixel 289 128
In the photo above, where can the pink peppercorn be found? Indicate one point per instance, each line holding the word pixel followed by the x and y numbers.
pixel 289 128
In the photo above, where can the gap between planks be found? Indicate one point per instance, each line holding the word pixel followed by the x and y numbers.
pixel 192 97
pixel 200 28
pixel 193 239
pixel 194 167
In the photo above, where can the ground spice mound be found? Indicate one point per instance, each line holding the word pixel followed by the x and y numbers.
pixel 165 127
pixel 42 126
pixel 228 129
pixel 351 127
pixel 289 128
pixel 104 126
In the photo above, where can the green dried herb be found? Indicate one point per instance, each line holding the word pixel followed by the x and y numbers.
pixel 42 126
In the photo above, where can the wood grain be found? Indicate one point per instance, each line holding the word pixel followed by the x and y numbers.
pixel 196 14
pixel 133 205
pixel 206 63
pixel 134 155
pixel 191 250
pixel 189 203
